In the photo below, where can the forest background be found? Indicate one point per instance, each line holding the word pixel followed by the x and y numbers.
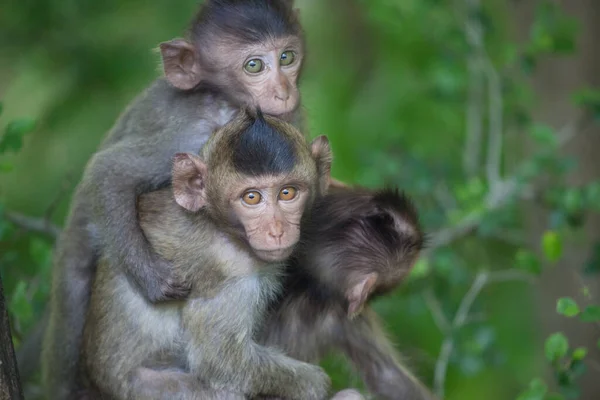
pixel 485 112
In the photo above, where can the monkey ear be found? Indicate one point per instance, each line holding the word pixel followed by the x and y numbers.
pixel 321 152
pixel 358 295
pixel 180 64
pixel 189 175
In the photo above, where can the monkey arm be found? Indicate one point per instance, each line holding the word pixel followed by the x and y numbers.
pixel 223 353
pixel 306 330
pixel 375 358
pixel 114 178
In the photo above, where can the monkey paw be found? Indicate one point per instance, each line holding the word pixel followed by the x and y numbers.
pixel 164 283
pixel 313 383
pixel 348 394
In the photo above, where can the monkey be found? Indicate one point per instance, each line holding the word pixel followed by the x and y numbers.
pixel 356 245
pixel 227 224
pixel 237 53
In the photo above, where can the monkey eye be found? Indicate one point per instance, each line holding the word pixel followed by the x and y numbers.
pixel 287 193
pixel 287 57
pixel 254 66
pixel 251 198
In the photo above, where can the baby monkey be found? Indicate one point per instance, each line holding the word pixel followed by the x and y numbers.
pixel 355 244
pixel 227 225
pixel 238 53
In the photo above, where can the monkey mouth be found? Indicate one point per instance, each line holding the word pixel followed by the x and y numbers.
pixel 279 110
pixel 275 254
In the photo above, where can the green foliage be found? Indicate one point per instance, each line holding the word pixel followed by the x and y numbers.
pixel 556 347
pixel 391 84
pixel 528 261
pixel 537 391
pixel 567 307
pixel 12 140
pixel 552 245
pixel 588 99
pixel 591 314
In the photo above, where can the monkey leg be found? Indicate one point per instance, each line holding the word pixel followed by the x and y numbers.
pixel 377 361
pixel 149 384
pixel 347 394
pixel 255 369
pixel 74 266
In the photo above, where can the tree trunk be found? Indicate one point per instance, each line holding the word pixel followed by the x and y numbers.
pixel 10 387
pixel 554 82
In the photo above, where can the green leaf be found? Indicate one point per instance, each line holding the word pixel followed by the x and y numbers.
pixel 536 391
pixel 544 134
pixel 420 270
pixel 552 245
pixel 1 107
pixel 40 251
pixel 13 135
pixel 579 353
pixel 592 266
pixel 585 291
pixel 555 396
pixel 590 314
pixel 567 307
pixel 573 200
pixel 528 261
pixel 556 346
pixel 590 99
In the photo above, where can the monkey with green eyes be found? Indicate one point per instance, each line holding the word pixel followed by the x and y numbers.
pixel 238 54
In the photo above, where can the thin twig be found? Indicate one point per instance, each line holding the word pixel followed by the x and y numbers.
pixel 510 275
pixel 436 311
pixel 441 365
pixel 60 195
pixel 496 117
pixel 461 317
pixel 38 225
pixel 472 151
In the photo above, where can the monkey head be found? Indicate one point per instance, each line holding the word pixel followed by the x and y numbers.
pixel 251 51
pixel 255 177
pixel 362 243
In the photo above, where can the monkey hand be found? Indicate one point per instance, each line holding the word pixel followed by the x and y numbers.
pixel 312 383
pixel 348 394
pixel 161 282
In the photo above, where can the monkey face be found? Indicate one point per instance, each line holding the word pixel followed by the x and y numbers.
pixel 259 75
pixel 257 178
pixel 269 73
pixel 269 212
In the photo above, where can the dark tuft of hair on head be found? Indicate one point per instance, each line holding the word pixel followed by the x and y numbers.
pixel 248 21
pixel 396 200
pixel 260 149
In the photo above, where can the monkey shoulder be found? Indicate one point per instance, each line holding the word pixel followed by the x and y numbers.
pixel 170 114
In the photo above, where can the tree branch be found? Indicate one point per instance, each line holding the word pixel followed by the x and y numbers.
pixel 38 225
pixel 472 151
pixel 496 122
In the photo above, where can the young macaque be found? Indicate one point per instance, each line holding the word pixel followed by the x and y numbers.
pixel 238 53
pixel 227 226
pixel 355 244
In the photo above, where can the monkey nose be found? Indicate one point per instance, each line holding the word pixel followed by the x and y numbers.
pixel 276 230
pixel 282 95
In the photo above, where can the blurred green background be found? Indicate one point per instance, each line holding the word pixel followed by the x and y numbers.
pixel 483 111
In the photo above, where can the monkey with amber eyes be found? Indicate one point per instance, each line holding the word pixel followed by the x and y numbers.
pixel 356 244
pixel 238 53
pixel 227 225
